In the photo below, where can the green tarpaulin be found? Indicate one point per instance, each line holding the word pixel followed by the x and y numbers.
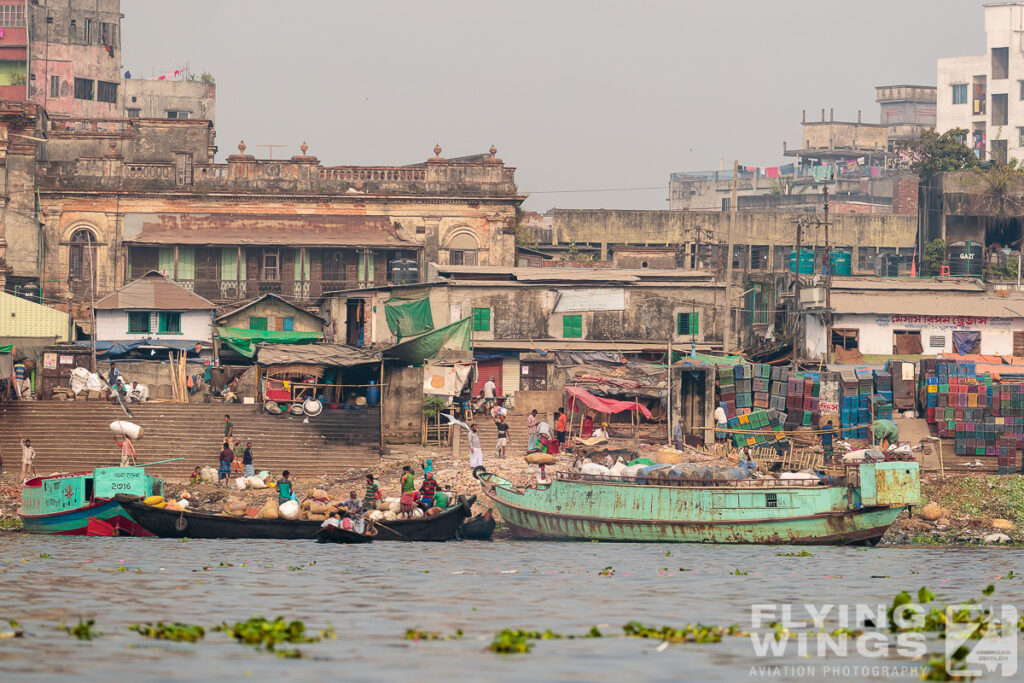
pixel 409 318
pixel 6 348
pixel 455 336
pixel 244 341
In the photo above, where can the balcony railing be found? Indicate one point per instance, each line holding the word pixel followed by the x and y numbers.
pixel 234 290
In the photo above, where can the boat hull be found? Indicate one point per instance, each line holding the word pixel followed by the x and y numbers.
pixel 634 512
pixel 441 527
pixel 76 522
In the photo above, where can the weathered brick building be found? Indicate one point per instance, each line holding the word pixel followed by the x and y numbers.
pixel 99 202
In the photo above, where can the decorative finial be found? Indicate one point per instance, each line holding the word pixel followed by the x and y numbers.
pixel 241 147
pixel 303 147
pixel 437 151
pixel 493 150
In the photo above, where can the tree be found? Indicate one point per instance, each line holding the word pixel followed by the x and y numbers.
pixel 934 257
pixel 934 153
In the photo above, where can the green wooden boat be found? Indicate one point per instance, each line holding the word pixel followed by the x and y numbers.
pixel 854 509
pixel 82 503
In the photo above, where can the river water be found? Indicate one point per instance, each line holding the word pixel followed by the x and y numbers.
pixel 371 594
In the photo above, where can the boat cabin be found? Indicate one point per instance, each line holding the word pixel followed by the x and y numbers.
pixel 66 492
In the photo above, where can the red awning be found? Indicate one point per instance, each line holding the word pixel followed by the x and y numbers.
pixel 604 405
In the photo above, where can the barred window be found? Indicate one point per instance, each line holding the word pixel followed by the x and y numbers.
pixel 12 16
pixel 106 91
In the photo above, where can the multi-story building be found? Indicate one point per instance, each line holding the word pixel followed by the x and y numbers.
pixel 906 110
pixel 93 204
pixel 65 55
pixel 984 94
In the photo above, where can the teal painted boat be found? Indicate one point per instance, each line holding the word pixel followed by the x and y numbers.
pixel 856 508
pixel 81 503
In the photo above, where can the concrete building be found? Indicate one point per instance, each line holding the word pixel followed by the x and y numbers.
pixel 64 55
pixel 839 142
pixel 118 198
pixel 885 317
pixel 984 94
pixel 154 307
pixel 169 99
pixel 906 111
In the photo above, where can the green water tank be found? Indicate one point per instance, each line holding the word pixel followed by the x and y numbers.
pixel 806 262
pixel 841 262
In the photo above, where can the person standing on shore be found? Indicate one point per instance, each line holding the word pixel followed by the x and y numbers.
pixel 227 456
pixel 285 492
pixel 561 427
pixel 476 453
pixel 502 442
pixel 677 435
pixel 250 470
pixel 372 494
pixel 28 459
pixel 489 389
pixel 229 428
pixel 828 435
pixel 238 452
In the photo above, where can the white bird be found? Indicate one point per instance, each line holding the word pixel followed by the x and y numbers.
pixel 453 421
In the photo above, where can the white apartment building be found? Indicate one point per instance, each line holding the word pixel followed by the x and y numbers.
pixel 984 94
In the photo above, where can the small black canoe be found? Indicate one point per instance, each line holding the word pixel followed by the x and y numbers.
pixel 440 527
pixel 480 528
pixel 174 524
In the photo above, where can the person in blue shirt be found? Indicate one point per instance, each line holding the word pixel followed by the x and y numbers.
pixel 828 434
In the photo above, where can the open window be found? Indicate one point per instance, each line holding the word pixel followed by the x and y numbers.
pixel 462 250
pixel 906 342
pixel 845 345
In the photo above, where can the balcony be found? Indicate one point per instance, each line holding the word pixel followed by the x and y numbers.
pixel 302 292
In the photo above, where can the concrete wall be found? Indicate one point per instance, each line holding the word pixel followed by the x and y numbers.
pixel 403 404
pixel 113 326
pixel 843 135
pixel 876 332
pixel 155 98
pixel 154 374
pixel 544 402
pixel 608 226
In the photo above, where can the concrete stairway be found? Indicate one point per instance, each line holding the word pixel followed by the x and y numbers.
pixel 518 434
pixel 74 436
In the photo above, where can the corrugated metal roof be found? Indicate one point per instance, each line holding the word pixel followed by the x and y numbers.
pixel 887 284
pixel 23 318
pixel 572 274
pixel 154 292
pixel 925 303
pixel 267 229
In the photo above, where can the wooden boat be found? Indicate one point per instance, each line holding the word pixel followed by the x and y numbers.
pixel 174 524
pixel 479 528
pixel 440 527
pixel 65 503
pixel 854 509
pixel 333 534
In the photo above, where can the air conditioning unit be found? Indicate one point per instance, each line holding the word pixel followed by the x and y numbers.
pixel 812 297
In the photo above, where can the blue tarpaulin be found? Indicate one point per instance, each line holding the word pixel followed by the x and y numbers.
pixel 113 349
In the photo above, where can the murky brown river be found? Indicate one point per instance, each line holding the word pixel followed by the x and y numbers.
pixel 372 594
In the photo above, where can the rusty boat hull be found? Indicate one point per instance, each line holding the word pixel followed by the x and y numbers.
pixel 766 512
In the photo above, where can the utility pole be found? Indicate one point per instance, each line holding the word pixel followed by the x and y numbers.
pixel 828 279
pixel 796 288
pixel 90 249
pixel 727 336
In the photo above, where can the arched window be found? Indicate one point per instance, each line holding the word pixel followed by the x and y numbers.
pixel 79 266
pixel 462 250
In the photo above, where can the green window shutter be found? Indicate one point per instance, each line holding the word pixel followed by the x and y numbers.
pixel 257 323
pixel 481 319
pixel 288 324
pixel 682 323
pixel 572 326
pixel 138 322
pixel 170 323
pixel 694 327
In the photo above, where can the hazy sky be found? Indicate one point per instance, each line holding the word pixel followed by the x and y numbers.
pixel 577 95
